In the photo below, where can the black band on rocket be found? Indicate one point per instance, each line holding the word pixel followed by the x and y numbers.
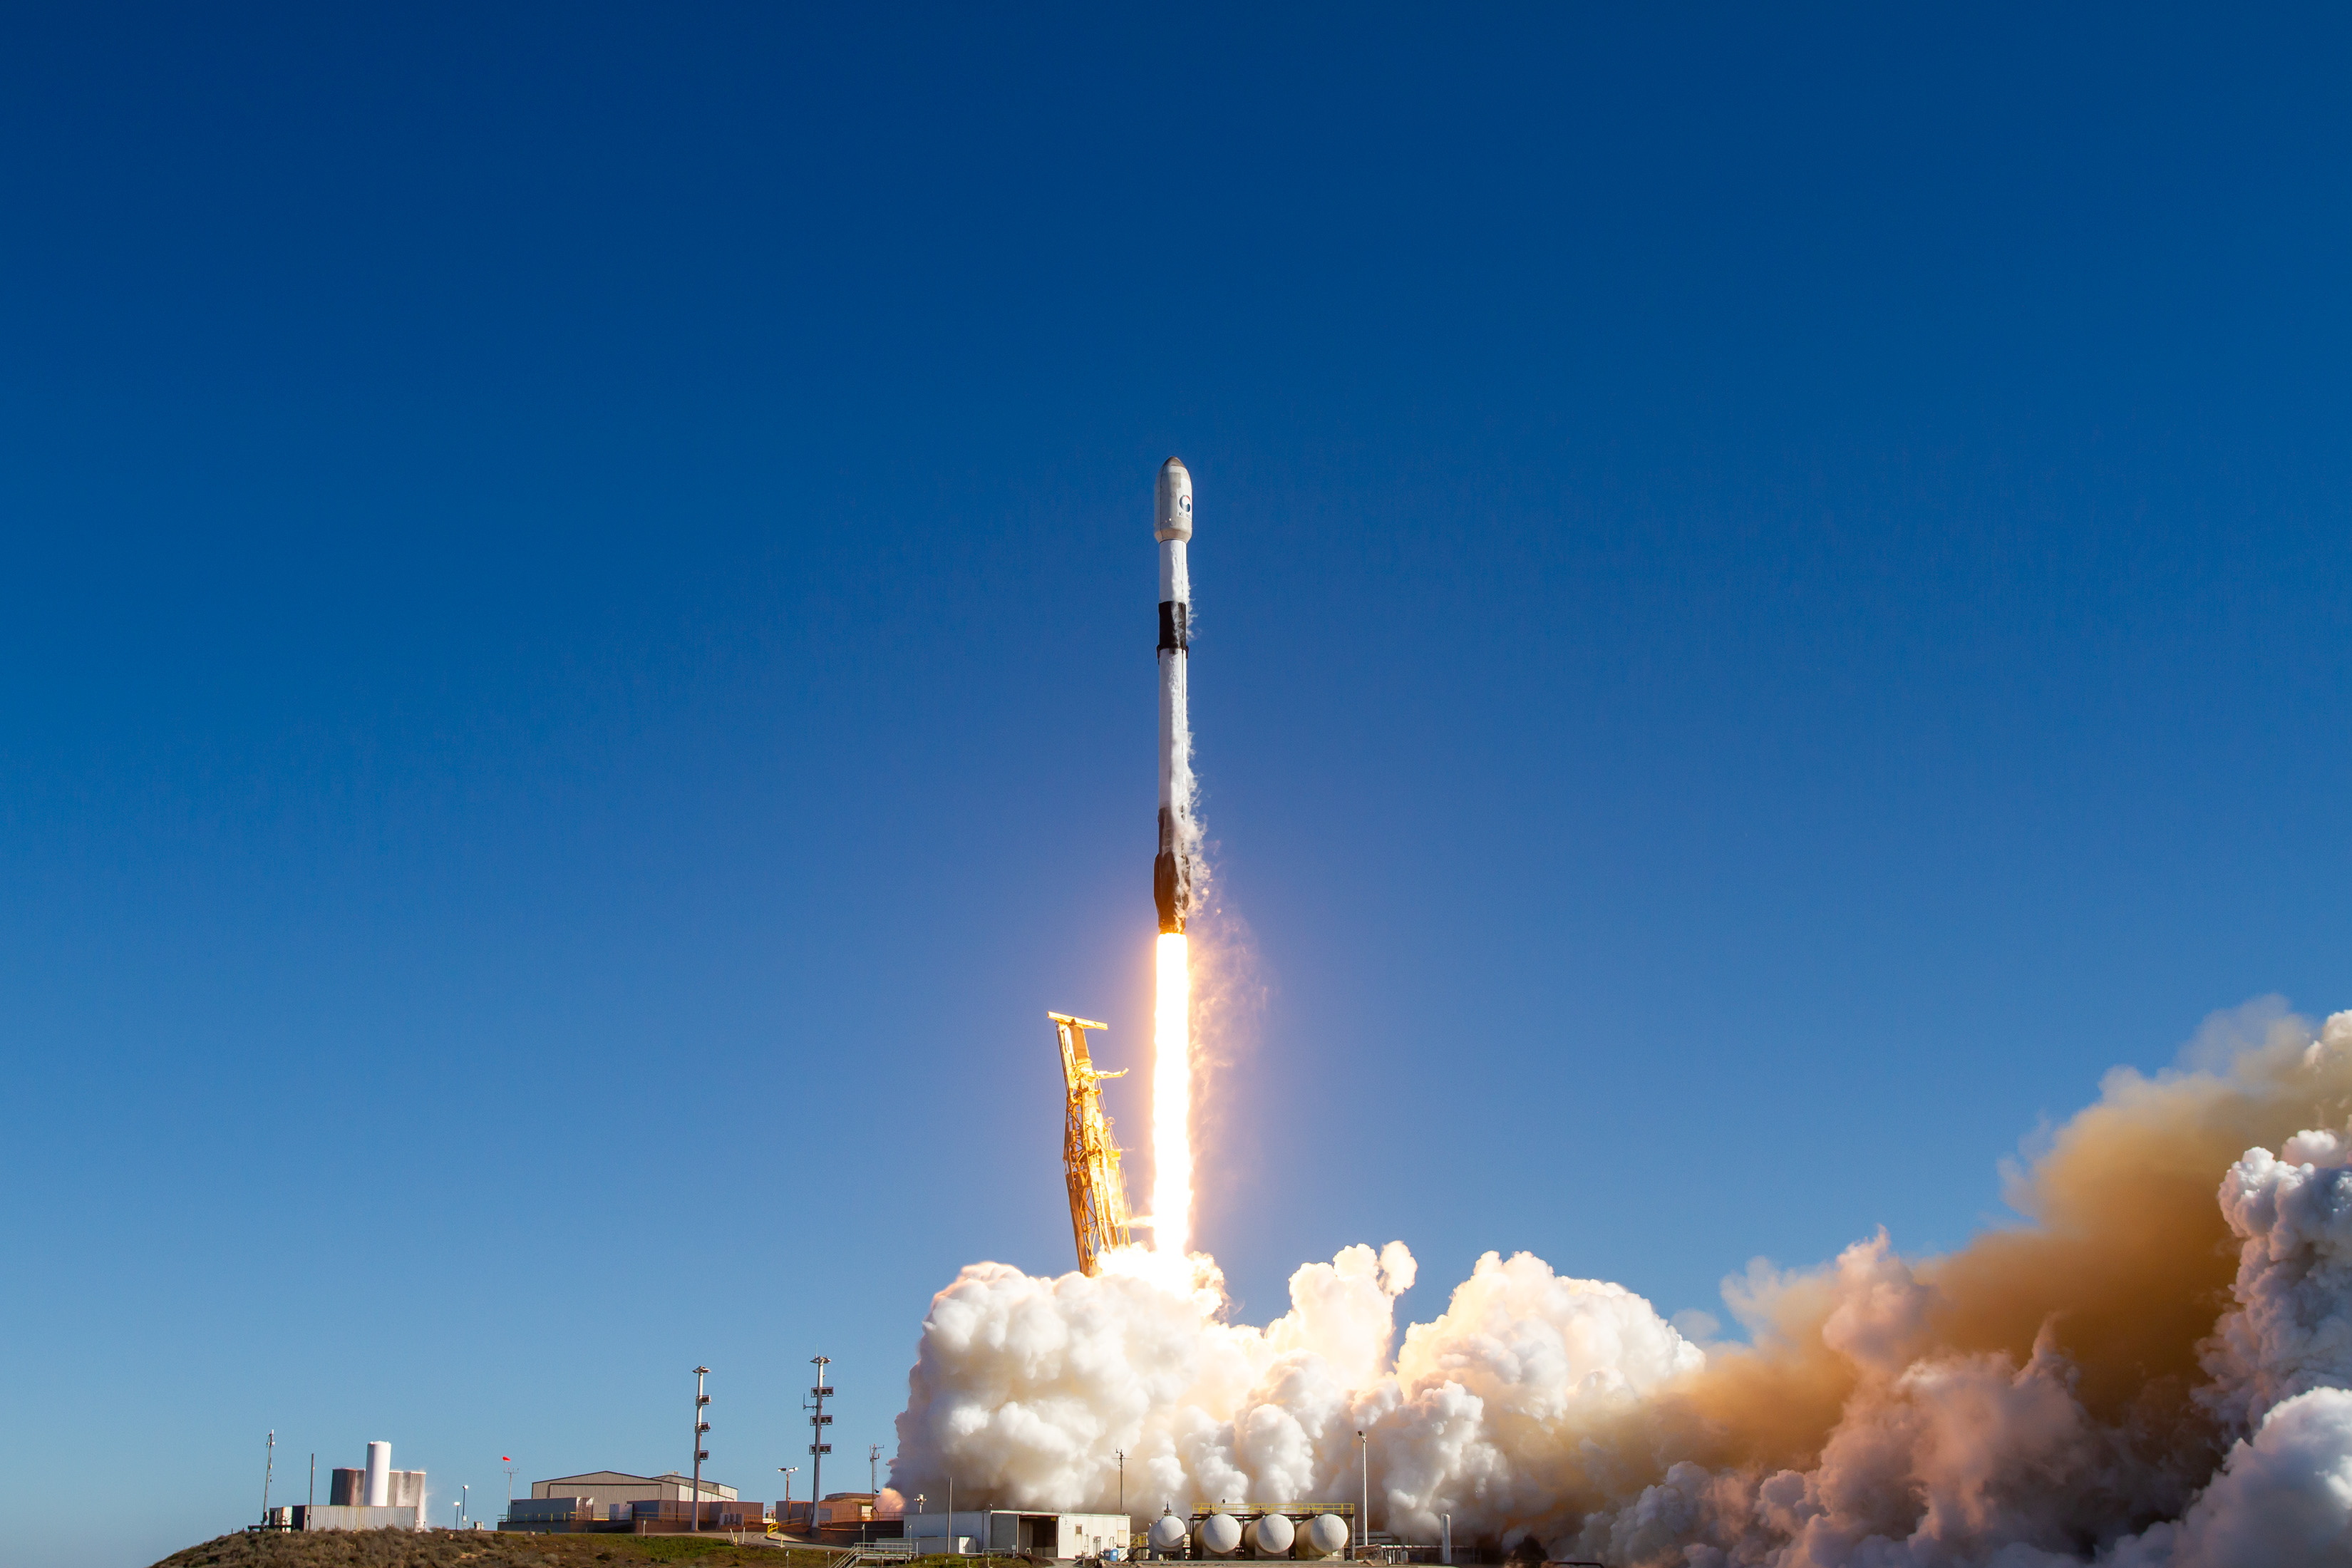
pixel 1172 631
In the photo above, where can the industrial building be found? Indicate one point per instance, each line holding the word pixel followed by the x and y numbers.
pixel 403 1488
pixel 376 1497
pixel 645 1516
pixel 1012 1530
pixel 618 1501
pixel 600 1489
pixel 843 1508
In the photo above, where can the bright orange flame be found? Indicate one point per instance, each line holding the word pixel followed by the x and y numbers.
pixel 1171 1098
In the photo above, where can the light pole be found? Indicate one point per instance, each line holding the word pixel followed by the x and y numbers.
pixel 787 1471
pixel 700 1453
pixel 1364 1524
pixel 268 1465
pixel 465 1502
pixel 818 1447
pixel 1121 1455
pixel 508 1459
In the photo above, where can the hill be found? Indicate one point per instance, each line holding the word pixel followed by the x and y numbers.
pixel 479 1549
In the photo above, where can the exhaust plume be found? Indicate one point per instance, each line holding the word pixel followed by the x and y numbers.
pixel 1171 1095
pixel 2154 1371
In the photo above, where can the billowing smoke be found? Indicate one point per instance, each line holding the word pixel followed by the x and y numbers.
pixel 2140 1376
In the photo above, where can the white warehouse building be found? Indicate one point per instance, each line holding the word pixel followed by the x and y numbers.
pixel 1016 1529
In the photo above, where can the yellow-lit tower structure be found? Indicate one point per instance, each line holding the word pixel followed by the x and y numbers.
pixel 1099 1216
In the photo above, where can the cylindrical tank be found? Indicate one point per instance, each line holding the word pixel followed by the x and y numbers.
pixel 1270 1535
pixel 1168 1533
pixel 1219 1536
pixel 1326 1535
pixel 379 1475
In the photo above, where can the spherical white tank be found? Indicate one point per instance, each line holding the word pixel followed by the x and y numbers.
pixel 1219 1536
pixel 1168 1533
pixel 1270 1535
pixel 1326 1535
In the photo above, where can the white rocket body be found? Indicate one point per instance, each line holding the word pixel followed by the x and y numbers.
pixel 379 1475
pixel 1171 869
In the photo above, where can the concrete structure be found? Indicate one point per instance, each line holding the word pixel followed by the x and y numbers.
pixel 1014 1530
pixel 601 1488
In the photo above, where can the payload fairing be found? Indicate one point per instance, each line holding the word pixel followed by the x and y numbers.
pixel 1171 871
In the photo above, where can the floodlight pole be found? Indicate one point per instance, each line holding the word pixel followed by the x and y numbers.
pixel 700 1453
pixel 1364 1525
pixel 818 1447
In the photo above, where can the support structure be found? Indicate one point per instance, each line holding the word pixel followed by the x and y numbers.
pixel 701 1432
pixel 1098 1213
pixel 818 1447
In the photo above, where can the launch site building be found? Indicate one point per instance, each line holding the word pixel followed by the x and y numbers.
pixel 978 1531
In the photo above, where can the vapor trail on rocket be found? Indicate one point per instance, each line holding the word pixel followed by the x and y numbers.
pixel 1171 872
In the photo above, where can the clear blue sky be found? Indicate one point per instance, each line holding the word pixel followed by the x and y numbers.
pixel 578 662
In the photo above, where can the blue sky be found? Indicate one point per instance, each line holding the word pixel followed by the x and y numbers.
pixel 578 664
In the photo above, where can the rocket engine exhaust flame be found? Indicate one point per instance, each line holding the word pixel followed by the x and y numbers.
pixel 1172 1096
pixel 2148 1375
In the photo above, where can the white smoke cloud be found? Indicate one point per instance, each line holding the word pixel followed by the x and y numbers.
pixel 2283 1499
pixel 2291 1332
pixel 1889 1411
pixel 1024 1387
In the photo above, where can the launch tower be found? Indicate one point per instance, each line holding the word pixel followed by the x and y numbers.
pixel 1099 1215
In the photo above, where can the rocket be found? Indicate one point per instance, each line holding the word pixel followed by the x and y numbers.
pixel 1171 871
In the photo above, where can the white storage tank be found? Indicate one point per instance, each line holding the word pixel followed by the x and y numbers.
pixel 1326 1535
pixel 1270 1535
pixel 379 1475
pixel 1219 1536
pixel 1168 1533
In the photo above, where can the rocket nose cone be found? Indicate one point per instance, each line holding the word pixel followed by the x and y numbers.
pixel 1172 512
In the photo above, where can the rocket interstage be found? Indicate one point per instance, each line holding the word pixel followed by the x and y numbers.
pixel 1171 871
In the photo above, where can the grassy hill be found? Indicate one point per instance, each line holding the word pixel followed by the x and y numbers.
pixel 477 1549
